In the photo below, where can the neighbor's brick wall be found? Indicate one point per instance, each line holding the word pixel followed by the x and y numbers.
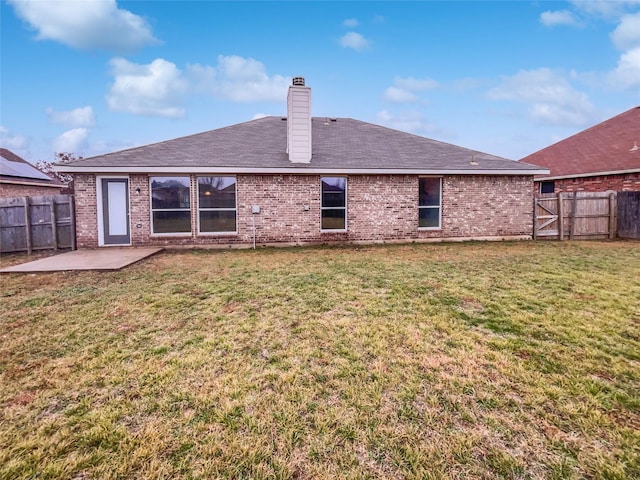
pixel 379 208
pixel 619 183
pixel 15 190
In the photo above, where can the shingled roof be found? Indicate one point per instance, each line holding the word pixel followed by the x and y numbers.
pixel 610 147
pixel 338 145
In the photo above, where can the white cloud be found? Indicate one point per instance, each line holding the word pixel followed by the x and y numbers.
pixel 154 89
pixel 604 8
pixel 159 88
pixel 415 84
pixel 71 141
pixel 465 84
pixel 550 96
pixel 258 116
pixel 355 40
pixel 627 33
pixel 627 74
pixel 559 17
pixel 402 90
pixel 351 22
pixel 78 117
pixel 87 25
pixel 18 144
pixel 400 95
pixel 625 37
pixel 239 79
pixel 409 121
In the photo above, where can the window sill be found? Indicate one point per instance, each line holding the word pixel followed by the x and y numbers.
pixel 429 229
pixel 334 231
pixel 181 234
pixel 217 234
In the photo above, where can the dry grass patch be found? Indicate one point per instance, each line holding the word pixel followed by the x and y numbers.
pixel 490 360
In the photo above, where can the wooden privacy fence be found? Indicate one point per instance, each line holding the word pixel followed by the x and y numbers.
pixel 629 215
pixel 37 223
pixel 575 216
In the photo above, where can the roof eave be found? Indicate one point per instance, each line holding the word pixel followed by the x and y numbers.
pixel 589 174
pixel 31 183
pixel 303 170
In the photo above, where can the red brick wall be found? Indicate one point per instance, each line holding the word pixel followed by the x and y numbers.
pixel 139 209
pixel 487 206
pixel 379 208
pixel 15 190
pixel 620 183
pixel 86 211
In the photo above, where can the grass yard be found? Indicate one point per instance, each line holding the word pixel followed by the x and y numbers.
pixel 479 360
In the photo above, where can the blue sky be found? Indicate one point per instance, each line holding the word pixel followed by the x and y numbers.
pixel 508 78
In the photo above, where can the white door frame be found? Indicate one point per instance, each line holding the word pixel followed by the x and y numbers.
pixel 99 207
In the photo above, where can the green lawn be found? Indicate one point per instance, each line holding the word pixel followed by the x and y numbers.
pixel 479 360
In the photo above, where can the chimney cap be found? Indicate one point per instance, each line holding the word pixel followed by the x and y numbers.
pixel 298 81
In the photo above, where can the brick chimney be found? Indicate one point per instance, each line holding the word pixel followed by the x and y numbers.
pixel 299 122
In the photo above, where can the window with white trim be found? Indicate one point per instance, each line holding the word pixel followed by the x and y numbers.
pixel 429 202
pixel 217 204
pixel 170 205
pixel 333 214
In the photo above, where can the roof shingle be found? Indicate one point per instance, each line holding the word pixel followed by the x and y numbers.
pixel 341 143
pixel 604 148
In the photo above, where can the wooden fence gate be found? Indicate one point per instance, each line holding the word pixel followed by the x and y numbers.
pixel 37 223
pixel 575 216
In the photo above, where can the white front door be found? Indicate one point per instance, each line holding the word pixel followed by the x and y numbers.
pixel 115 211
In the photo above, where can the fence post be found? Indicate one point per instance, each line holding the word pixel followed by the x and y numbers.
pixel 535 217
pixel 612 219
pixel 27 223
pixel 72 213
pixel 54 225
pixel 572 225
pixel 560 218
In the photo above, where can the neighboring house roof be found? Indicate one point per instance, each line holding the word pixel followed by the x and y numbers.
pixel 610 147
pixel 14 169
pixel 339 145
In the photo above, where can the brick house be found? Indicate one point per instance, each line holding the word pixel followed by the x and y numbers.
pixel 299 180
pixel 18 178
pixel 601 158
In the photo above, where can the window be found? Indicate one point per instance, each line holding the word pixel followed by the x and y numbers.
pixel 216 204
pixel 170 205
pixel 429 202
pixel 547 187
pixel 334 203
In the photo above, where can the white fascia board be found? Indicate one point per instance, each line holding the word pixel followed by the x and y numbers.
pixel 592 174
pixel 298 171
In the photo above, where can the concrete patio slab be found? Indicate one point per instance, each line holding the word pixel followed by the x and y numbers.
pixel 113 258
